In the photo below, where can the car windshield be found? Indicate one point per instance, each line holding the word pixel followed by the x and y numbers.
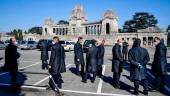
pixel 31 42
pixel 61 42
pixel 1 42
pixel 23 42
pixel 72 43
pixel 87 42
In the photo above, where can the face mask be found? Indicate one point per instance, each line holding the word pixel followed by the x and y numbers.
pixel 121 44
pixel 53 42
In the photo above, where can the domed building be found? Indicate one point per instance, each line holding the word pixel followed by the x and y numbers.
pixel 105 28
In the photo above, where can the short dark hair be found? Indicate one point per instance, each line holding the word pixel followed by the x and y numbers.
pixel 56 37
pixel 137 42
pixel 80 38
pixel 157 38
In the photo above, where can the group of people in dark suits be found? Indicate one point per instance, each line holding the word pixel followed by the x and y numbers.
pixel 94 59
pixel 138 58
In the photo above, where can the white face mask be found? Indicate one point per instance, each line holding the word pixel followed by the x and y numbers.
pixel 53 42
pixel 120 44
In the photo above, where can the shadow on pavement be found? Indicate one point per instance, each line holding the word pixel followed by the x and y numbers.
pixel 5 89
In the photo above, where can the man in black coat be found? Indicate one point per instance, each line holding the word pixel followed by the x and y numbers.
pixel 138 58
pixel 91 62
pixel 78 56
pixel 117 62
pixel 101 51
pixel 125 50
pixel 159 63
pixel 57 63
pixel 44 54
pixel 11 62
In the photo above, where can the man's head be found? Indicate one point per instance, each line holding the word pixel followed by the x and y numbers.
pixel 103 41
pixel 55 39
pixel 157 40
pixel 120 41
pixel 137 42
pixel 13 40
pixel 80 39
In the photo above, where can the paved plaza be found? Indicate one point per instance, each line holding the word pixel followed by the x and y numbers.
pixel 34 80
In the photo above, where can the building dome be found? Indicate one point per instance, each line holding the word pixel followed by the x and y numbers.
pixel 49 21
pixel 78 13
pixel 110 14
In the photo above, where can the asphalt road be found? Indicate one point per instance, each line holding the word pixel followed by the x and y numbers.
pixel 34 80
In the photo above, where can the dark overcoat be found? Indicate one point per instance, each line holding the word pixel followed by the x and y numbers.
pixel 11 58
pixel 101 51
pixel 78 54
pixel 91 59
pixel 125 47
pixel 57 59
pixel 44 50
pixel 160 61
pixel 138 55
pixel 117 58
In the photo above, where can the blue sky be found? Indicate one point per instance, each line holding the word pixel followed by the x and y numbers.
pixel 25 14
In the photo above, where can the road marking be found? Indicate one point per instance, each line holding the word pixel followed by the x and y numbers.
pixel 93 93
pixel 3 73
pixel 72 91
pixel 44 79
pixel 29 66
pixel 101 81
pixel 21 68
pixel 41 81
pixel 166 87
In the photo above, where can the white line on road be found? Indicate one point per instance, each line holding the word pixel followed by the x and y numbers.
pixel 166 87
pixel 22 68
pixel 72 91
pixel 101 81
pixel 37 83
pixel 29 66
pixel 41 81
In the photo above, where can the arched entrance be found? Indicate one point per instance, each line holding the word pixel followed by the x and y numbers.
pixel 107 28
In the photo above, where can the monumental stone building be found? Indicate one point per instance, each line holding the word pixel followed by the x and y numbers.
pixel 106 28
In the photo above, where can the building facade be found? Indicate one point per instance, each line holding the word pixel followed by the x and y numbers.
pixel 106 28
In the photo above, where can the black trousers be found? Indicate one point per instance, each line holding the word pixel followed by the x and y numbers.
pixel 77 68
pixel 88 73
pixel 57 80
pixel 125 56
pixel 160 82
pixel 13 78
pixel 44 64
pixel 144 84
pixel 99 70
pixel 116 78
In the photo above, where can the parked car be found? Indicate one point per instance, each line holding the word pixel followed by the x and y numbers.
pixel 48 41
pixel 68 45
pixel 86 45
pixel 28 45
pixel 2 45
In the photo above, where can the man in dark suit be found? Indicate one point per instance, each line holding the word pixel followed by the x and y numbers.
pixel 57 63
pixel 101 51
pixel 117 62
pixel 91 62
pixel 125 50
pixel 44 54
pixel 78 56
pixel 11 63
pixel 138 58
pixel 159 63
